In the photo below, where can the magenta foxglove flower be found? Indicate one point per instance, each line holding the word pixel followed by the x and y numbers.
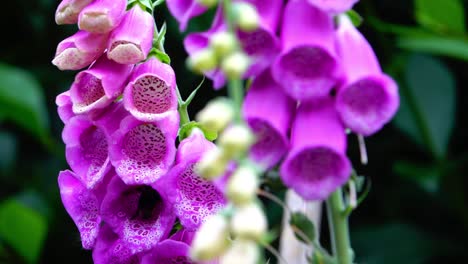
pixel 79 50
pixel 142 152
pixel 64 106
pixel 102 16
pixel 131 41
pixel 307 67
pixel 140 215
pixel 98 86
pixel 174 250
pixel 194 198
pixel 334 6
pixel 269 113
pixel 184 10
pixel 368 98
pixel 316 164
pixel 68 10
pixel 82 205
pixel 151 93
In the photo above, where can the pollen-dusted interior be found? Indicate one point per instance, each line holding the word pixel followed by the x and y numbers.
pixel 94 146
pixel 151 95
pixel 90 90
pixel 269 147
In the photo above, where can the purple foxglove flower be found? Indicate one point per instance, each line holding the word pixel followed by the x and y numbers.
pixel 111 249
pixel 102 16
pixel 269 113
pixel 367 98
pixel 140 215
pixel 86 150
pixel 316 164
pixel 151 93
pixel 132 39
pixel 174 250
pixel 98 86
pixel 68 10
pixel 79 50
pixel 184 10
pixel 194 198
pixel 307 68
pixel 64 106
pixel 82 205
pixel 142 152
pixel 334 6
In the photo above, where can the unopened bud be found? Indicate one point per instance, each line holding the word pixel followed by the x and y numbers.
pixel 203 60
pixel 207 3
pixel 223 43
pixel 212 165
pixel 235 65
pixel 249 222
pixel 247 17
pixel 216 115
pixel 242 185
pixel 241 251
pixel 236 139
pixel 211 240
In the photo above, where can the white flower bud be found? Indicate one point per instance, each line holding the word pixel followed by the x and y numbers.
pixel 247 17
pixel 235 65
pixel 249 222
pixel 236 139
pixel 216 115
pixel 223 43
pixel 211 239
pixel 203 60
pixel 212 164
pixel 241 251
pixel 207 3
pixel 242 185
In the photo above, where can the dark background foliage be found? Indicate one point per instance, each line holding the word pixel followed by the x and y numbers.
pixel 417 209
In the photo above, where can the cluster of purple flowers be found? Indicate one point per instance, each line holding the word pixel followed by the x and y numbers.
pixel 128 182
pixel 314 75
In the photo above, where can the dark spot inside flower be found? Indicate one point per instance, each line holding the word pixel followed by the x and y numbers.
pixel 147 203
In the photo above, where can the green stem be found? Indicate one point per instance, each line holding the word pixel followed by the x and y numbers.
pixel 339 233
pixel 236 93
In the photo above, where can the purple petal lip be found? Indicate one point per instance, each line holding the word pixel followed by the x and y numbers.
pixel 172 250
pixel 102 16
pixel 68 10
pixel 64 106
pixel 184 10
pixel 334 6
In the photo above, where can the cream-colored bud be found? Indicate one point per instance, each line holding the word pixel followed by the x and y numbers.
pixel 241 251
pixel 203 60
pixel 236 139
pixel 223 43
pixel 207 3
pixel 211 239
pixel 212 164
pixel 242 185
pixel 249 222
pixel 216 115
pixel 235 64
pixel 247 17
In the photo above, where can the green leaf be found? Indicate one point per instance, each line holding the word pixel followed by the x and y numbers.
pixel 301 222
pixel 427 106
pixel 22 101
pixel 23 229
pixel 423 175
pixel 8 151
pixel 442 16
pixel 186 129
pixel 355 17
pixel 438 45
pixel 163 57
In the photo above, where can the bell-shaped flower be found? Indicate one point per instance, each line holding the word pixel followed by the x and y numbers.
pixel 367 98
pixel 307 67
pixel 184 10
pixel 316 164
pixel 334 6
pixel 68 10
pixel 102 16
pixel 142 152
pixel 98 86
pixel 269 113
pixel 194 198
pixel 151 92
pixel 64 106
pixel 82 205
pixel 140 215
pixel 79 50
pixel 131 41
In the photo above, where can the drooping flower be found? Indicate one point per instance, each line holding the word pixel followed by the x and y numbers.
pixel 68 10
pixel 367 98
pixel 184 10
pixel 334 6
pixel 102 16
pixel 316 164
pixel 151 93
pixel 131 41
pixel 79 50
pixel 269 113
pixel 307 68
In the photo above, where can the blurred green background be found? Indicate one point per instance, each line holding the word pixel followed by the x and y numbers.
pixel 416 211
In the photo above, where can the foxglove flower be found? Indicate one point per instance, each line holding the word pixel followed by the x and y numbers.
pixel 82 205
pixel 307 67
pixel 111 249
pixel 68 10
pixel 194 198
pixel 132 40
pixel 334 6
pixel 98 86
pixel 143 152
pixel 140 215
pixel 184 10
pixel 269 113
pixel 64 106
pixel 151 93
pixel 102 16
pixel 316 164
pixel 79 50
pixel 368 98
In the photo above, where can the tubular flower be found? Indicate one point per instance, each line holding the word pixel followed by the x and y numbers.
pixel 64 106
pixel 334 6
pixel 184 10
pixel 102 16
pixel 68 10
